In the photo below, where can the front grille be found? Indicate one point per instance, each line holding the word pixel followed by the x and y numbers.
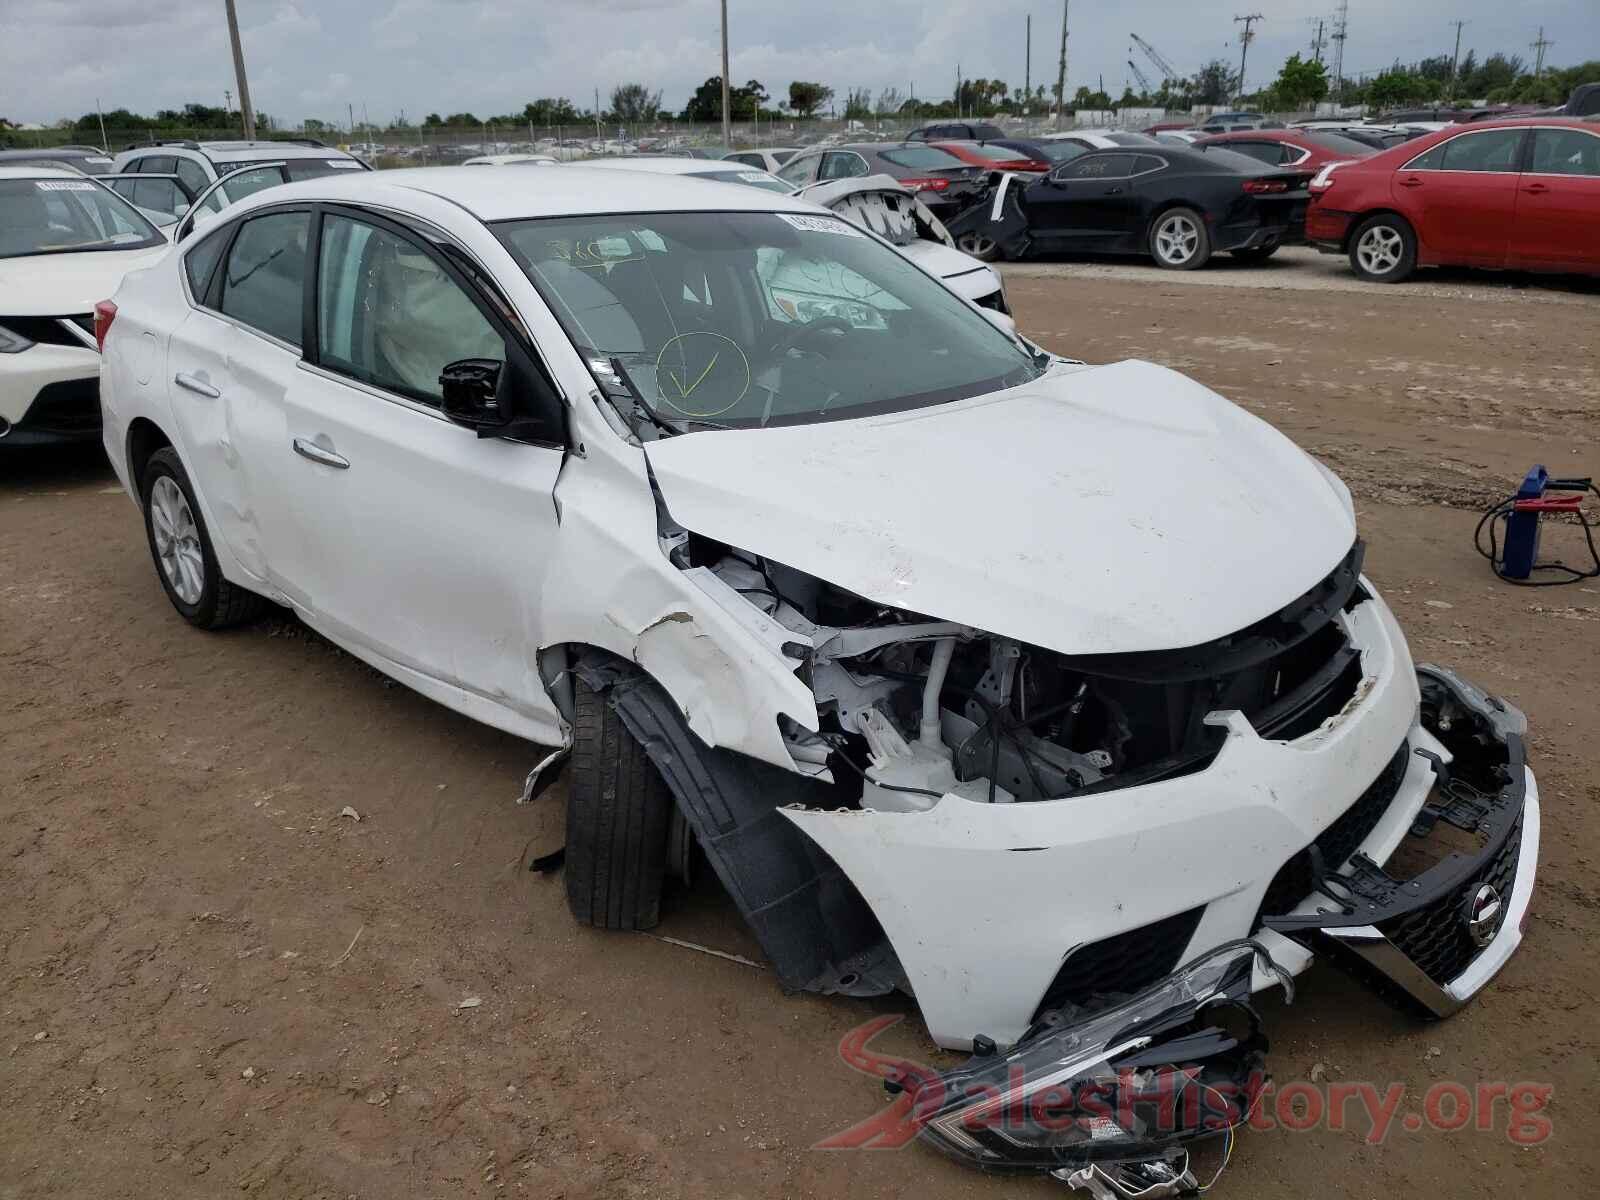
pixel 49 331
pixel 71 406
pixel 1294 880
pixel 1436 937
pixel 1122 964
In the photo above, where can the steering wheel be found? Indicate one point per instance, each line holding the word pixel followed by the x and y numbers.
pixel 810 329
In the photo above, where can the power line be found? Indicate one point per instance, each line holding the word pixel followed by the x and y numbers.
pixel 1244 43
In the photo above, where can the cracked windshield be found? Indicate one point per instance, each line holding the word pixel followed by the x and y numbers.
pixel 697 320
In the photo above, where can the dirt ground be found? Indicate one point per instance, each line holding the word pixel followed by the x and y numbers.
pixel 213 983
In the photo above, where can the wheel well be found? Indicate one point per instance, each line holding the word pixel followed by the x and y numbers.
pixel 144 439
pixel 1360 219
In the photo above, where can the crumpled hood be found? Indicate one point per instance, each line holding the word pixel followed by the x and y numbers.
pixel 1096 510
pixel 961 273
pixel 65 285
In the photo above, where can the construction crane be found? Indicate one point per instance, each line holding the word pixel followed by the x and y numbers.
pixel 1144 84
pixel 1169 73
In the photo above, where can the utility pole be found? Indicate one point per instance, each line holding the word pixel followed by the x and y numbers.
pixel 99 112
pixel 1317 42
pixel 727 116
pixel 1341 29
pixel 1061 71
pixel 1539 48
pixel 1455 59
pixel 1027 65
pixel 1244 45
pixel 248 113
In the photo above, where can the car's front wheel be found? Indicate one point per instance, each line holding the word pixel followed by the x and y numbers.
pixel 1384 249
pixel 980 245
pixel 181 548
pixel 619 813
pixel 1179 240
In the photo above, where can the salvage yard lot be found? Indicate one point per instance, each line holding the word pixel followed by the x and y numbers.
pixel 213 983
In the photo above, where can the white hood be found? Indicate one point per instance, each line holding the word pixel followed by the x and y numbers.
pixel 64 285
pixel 1096 510
pixel 962 273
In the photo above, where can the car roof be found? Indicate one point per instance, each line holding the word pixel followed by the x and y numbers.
pixel 573 190
pixel 64 153
pixel 41 173
pixel 664 164
pixel 241 150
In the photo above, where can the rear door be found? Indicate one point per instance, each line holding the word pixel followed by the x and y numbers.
pixel 1557 226
pixel 231 364
pixel 1461 197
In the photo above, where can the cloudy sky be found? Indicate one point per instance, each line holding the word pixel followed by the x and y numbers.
pixel 314 57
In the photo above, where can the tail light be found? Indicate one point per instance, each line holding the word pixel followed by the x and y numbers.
pixel 1258 187
pixel 1323 179
pixel 930 185
pixel 104 313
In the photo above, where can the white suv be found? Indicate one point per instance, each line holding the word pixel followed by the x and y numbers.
pixel 200 164
pixel 1024 686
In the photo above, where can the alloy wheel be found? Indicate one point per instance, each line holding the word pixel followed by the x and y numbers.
pixel 177 537
pixel 978 245
pixel 1380 249
pixel 1177 240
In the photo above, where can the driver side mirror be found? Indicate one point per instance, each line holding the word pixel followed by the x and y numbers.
pixel 470 388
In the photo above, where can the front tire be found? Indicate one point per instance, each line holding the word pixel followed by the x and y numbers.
pixel 618 816
pixel 181 548
pixel 1383 249
pixel 980 246
pixel 1179 240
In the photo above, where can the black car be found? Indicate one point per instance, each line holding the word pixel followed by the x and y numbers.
pixel 82 158
pixel 957 131
pixel 940 180
pixel 1178 205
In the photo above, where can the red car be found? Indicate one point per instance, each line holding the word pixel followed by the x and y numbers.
pixel 1307 149
pixel 1523 194
pixel 993 158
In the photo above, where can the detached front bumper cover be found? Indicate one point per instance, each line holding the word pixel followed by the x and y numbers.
pixel 1436 939
pixel 1124 1089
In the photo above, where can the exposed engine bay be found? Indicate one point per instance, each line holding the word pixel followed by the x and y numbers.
pixel 912 708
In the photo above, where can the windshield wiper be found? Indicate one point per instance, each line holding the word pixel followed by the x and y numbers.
pixel 638 410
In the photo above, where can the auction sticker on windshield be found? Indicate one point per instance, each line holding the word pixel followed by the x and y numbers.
pixel 65 185
pixel 820 224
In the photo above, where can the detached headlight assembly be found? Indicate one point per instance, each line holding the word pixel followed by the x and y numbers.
pixel 12 342
pixel 1115 1094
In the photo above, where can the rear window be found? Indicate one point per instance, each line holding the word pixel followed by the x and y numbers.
pixel 1231 159
pixel 921 158
pixel 1060 152
pixel 1339 144
pixel 758 179
pixel 987 132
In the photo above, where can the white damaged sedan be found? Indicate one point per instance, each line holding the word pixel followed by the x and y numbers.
pixel 1052 695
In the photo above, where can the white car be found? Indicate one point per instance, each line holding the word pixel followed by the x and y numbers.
pixel 509 160
pixel 768 160
pixel 1050 694
pixel 879 203
pixel 200 164
pixel 65 243
pixel 1100 139
pixel 713 169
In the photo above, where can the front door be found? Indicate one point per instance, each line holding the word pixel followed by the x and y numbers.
pixel 418 544
pixel 1084 205
pixel 1557 226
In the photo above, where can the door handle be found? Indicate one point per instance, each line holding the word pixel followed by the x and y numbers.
pixel 1537 189
pixel 198 386
pixel 317 454
pixel 1411 181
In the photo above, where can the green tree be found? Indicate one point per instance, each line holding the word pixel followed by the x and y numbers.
pixel 857 104
pixel 1301 82
pixel 1213 83
pixel 432 121
pixel 1396 87
pixel 806 98
pixel 1084 98
pixel 634 104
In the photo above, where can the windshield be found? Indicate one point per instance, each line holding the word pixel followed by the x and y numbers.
pixel 994 153
pixel 750 178
pixel 1060 152
pixel 755 319
pixel 58 216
